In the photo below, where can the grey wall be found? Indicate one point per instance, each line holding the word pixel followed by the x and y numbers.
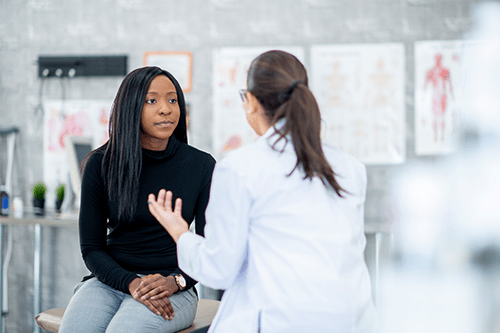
pixel 29 28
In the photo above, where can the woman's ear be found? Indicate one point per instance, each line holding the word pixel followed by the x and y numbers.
pixel 256 115
pixel 253 104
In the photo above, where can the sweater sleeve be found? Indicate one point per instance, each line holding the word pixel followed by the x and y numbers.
pixel 199 213
pixel 202 202
pixel 93 229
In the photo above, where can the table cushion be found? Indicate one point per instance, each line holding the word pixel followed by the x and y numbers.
pixel 50 320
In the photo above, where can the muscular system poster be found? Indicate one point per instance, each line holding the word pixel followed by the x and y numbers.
pixel 438 83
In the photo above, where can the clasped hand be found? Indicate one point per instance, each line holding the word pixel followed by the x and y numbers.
pixel 170 219
pixel 154 292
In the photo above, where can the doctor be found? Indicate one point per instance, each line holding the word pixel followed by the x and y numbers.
pixel 284 234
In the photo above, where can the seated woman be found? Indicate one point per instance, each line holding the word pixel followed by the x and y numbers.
pixel 122 244
pixel 284 234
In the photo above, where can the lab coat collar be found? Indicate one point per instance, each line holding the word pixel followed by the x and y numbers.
pixel 281 145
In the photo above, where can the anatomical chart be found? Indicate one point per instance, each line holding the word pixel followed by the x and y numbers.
pixel 230 127
pixel 75 118
pixel 360 89
pixel 438 74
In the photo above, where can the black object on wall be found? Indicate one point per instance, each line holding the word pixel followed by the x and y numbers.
pixel 71 66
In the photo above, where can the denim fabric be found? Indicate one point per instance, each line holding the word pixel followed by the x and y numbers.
pixel 96 307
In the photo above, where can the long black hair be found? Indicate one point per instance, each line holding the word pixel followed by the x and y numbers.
pixel 122 161
pixel 279 82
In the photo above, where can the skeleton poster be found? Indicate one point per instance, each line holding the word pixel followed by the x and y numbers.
pixel 230 67
pixel 437 84
pixel 360 89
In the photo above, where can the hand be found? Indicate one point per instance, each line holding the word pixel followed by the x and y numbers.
pixel 155 286
pixel 160 306
pixel 161 209
pixel 133 285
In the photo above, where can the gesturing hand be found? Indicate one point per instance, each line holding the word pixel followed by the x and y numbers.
pixel 170 219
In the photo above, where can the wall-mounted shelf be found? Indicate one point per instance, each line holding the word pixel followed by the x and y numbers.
pixel 72 66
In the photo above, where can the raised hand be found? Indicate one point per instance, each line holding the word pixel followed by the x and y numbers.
pixel 171 220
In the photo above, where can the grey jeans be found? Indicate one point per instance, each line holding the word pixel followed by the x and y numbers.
pixel 96 307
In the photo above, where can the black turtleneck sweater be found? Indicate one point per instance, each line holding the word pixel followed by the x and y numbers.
pixel 115 251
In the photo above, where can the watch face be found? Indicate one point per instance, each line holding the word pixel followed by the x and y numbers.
pixel 182 281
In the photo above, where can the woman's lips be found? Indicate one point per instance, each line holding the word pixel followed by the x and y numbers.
pixel 164 124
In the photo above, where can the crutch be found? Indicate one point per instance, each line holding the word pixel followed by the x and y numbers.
pixel 10 134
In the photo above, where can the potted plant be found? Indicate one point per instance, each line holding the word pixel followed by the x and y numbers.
pixel 39 190
pixel 59 197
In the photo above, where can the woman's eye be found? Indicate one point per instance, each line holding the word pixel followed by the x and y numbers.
pixel 172 101
pixel 150 101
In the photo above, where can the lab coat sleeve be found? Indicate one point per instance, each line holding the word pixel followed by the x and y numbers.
pixel 216 260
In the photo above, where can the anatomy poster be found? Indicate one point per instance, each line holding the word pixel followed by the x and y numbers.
pixel 360 89
pixel 230 127
pixel 437 81
pixel 75 118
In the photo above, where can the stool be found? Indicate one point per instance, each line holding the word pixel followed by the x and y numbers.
pixel 50 320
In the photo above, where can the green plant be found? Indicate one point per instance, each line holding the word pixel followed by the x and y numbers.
pixel 39 190
pixel 60 192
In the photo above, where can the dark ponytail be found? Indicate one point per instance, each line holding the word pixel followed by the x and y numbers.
pixel 279 82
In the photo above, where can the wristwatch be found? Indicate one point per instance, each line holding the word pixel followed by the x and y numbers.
pixel 180 281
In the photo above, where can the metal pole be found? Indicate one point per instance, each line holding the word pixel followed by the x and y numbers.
pixel 5 272
pixel 36 276
pixel 2 326
pixel 378 236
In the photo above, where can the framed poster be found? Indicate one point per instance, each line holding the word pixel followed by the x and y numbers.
pixel 178 63
pixel 230 67
pixel 70 118
pixel 360 89
pixel 438 72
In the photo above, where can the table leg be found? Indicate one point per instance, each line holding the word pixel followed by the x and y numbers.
pixel 37 275
pixel 378 240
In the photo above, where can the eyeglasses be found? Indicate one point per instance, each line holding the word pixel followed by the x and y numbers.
pixel 243 94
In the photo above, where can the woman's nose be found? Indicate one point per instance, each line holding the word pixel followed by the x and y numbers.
pixel 164 108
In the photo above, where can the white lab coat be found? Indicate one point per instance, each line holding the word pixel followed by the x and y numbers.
pixel 288 251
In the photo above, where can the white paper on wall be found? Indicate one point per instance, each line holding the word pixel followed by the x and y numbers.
pixel 230 67
pixel 71 117
pixel 177 63
pixel 438 72
pixel 360 89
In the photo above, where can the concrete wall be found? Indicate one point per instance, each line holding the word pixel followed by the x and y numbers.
pixel 29 28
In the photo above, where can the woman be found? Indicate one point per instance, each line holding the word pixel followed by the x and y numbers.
pixel 284 234
pixel 122 244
